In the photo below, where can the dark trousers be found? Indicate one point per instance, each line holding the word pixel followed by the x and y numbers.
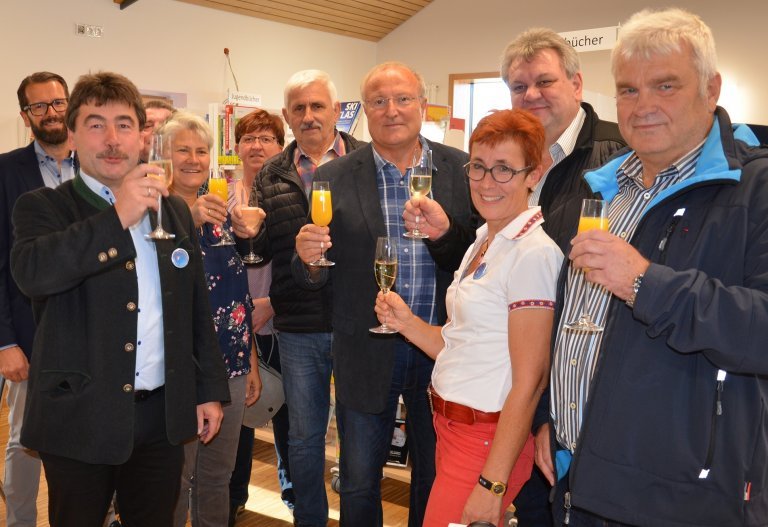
pixel 147 485
pixel 576 517
pixel 532 507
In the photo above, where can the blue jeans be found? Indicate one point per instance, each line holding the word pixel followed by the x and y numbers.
pixel 366 438
pixel 305 359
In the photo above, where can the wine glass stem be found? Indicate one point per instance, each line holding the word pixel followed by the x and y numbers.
pixel 160 212
pixel 250 245
pixel 416 228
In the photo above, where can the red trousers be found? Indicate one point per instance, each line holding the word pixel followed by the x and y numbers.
pixel 460 456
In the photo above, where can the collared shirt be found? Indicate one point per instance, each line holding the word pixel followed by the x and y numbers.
pixel 559 150
pixel 576 352
pixel 150 347
pixel 518 271
pixel 49 168
pixel 415 281
pixel 306 166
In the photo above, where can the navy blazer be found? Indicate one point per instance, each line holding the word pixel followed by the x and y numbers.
pixel 19 173
pixel 363 362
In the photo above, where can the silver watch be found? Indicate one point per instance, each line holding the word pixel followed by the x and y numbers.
pixel 635 288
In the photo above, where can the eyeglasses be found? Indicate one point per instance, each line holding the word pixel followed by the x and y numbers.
pixel 499 173
pixel 41 108
pixel 263 139
pixel 401 101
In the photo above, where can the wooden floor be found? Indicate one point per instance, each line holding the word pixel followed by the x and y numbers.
pixel 264 508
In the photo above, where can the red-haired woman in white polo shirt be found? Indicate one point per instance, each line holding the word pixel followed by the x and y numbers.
pixel 492 356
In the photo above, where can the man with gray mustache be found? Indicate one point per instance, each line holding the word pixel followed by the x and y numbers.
pixel 302 318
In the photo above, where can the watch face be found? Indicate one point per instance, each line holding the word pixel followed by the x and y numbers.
pixel 498 488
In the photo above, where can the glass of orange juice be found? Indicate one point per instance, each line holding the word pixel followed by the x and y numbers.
pixel 594 215
pixel 322 211
pixel 217 185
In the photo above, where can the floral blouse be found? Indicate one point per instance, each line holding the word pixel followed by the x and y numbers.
pixel 231 303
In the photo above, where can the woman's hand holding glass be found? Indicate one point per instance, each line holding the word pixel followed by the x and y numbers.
pixel 392 310
pixel 208 209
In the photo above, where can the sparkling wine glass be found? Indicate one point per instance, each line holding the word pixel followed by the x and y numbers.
pixel 385 269
pixel 160 155
pixel 322 212
pixel 594 215
pixel 419 184
pixel 251 217
pixel 217 185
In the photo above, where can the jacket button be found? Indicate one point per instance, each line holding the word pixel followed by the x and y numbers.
pixel 127 388
pixel 131 306
pixel 129 347
pixel 129 265
pixel 112 252
pixel 102 257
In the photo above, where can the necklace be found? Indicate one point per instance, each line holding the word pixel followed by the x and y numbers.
pixel 485 250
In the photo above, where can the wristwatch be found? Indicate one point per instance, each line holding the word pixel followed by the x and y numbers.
pixel 635 288
pixel 497 488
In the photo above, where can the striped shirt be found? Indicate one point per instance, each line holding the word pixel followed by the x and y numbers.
pixel 559 150
pixel 576 352
pixel 306 166
pixel 415 281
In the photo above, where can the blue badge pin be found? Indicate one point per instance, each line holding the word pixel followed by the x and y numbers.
pixel 480 271
pixel 180 258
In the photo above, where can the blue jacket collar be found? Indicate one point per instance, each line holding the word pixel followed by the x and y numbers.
pixel 713 163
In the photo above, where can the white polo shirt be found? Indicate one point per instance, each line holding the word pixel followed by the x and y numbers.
pixel 519 271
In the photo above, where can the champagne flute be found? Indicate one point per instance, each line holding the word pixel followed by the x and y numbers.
pixel 160 155
pixel 322 212
pixel 251 217
pixel 217 185
pixel 385 269
pixel 594 215
pixel 420 183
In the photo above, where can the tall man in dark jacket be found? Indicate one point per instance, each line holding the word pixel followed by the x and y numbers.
pixel 660 420
pixel 47 161
pixel 302 318
pixel 369 190
pixel 125 364
pixel 544 77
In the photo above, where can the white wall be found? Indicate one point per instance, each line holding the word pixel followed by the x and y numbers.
pixel 460 36
pixel 166 45
pixel 177 47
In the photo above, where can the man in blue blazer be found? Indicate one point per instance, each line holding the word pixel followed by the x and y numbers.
pixel 126 364
pixel 47 161
pixel 370 188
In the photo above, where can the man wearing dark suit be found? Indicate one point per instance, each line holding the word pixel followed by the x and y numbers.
pixel 369 189
pixel 47 161
pixel 125 364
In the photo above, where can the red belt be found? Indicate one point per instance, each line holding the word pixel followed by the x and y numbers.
pixel 459 412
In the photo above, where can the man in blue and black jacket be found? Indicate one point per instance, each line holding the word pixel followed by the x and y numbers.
pixel 660 419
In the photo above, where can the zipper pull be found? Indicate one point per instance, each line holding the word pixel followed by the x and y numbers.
pixel 567 507
pixel 719 403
